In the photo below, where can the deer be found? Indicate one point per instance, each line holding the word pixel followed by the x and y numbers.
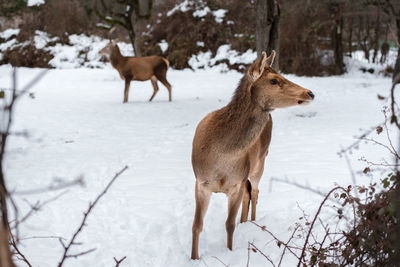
pixel 230 144
pixel 153 68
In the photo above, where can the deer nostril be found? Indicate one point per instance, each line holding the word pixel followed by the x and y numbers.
pixel 311 94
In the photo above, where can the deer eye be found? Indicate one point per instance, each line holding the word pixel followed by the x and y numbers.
pixel 274 81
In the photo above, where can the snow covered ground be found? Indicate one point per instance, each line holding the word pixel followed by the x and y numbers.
pixel 78 126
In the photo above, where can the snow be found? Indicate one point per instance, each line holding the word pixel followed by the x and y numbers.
pixel 82 50
pixel 8 33
pixel 183 7
pixel 8 44
pixel 78 127
pixel 199 8
pixel 72 56
pixel 35 2
pixel 206 60
pixel 41 39
pixel 163 46
pixel 201 12
pixel 219 14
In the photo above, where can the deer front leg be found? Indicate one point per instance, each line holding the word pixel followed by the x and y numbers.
pixel 254 200
pixel 254 181
pixel 246 202
pixel 126 91
pixel 202 196
pixel 234 199
pixel 155 86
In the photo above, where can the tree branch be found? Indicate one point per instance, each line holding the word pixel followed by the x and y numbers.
pixel 83 223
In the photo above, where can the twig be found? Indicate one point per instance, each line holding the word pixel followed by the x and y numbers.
pixel 353 177
pixel 14 245
pixel 295 184
pixel 220 261
pixel 248 254
pixel 43 237
pixel 80 253
pixel 359 139
pixel 263 228
pixel 118 262
pixel 265 256
pixel 76 181
pixel 36 207
pixel 83 223
pixel 394 118
pixel 286 245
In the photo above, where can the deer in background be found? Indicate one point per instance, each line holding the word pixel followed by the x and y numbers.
pixel 153 68
pixel 230 144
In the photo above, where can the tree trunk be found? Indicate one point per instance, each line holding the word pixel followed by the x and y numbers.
pixel 366 39
pixel 144 8
pixel 337 43
pixel 397 65
pixel 267 28
pixel 350 40
pixel 5 253
pixel 130 20
pixel 377 35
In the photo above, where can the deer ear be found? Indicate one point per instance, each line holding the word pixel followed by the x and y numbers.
pixel 270 59
pixel 257 68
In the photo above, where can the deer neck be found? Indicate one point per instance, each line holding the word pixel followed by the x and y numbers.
pixel 242 119
pixel 116 58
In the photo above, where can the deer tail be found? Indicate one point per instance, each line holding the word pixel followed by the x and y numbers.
pixel 166 62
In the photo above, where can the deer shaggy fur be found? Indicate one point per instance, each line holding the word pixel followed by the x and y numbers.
pixel 230 144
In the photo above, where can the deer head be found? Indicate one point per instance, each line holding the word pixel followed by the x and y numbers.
pixel 108 48
pixel 271 90
pixel 111 44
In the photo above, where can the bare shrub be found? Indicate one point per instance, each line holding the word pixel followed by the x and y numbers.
pixel 27 56
pixel 58 17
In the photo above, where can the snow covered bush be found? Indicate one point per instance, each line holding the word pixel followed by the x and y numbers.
pixel 46 51
pixel 198 34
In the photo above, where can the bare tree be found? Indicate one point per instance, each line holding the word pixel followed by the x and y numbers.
pixel 267 28
pixel 125 13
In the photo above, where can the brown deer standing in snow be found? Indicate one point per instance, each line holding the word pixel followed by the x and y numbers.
pixel 230 144
pixel 152 68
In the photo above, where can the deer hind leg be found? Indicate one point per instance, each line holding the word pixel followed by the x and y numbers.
pixel 234 200
pixel 202 196
pixel 162 77
pixel 246 202
pixel 126 91
pixel 153 80
pixel 166 83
